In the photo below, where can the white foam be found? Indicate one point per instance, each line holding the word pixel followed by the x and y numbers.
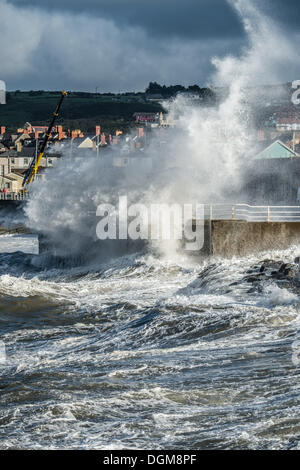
pixel 279 296
pixel 26 243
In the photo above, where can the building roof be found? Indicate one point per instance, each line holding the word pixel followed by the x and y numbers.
pixel 142 113
pixel 9 153
pixel 289 121
pixel 8 177
pixel 276 150
pixel 15 176
pixel 5 137
pixel 28 152
pixel 79 141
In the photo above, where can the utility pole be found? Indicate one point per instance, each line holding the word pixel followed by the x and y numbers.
pixel 36 148
pixel 3 172
pixel 294 144
pixel 98 131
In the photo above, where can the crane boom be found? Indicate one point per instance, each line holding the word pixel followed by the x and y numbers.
pixel 32 170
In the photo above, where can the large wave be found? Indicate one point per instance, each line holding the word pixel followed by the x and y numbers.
pixel 203 160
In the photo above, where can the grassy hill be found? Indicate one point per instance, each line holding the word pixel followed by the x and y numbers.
pixel 82 110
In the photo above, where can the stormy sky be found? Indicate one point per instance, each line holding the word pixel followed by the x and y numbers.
pixel 121 45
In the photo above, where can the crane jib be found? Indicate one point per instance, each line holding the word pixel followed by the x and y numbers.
pixel 32 170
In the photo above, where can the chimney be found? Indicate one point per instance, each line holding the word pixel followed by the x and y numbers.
pixel 260 135
pixel 2 130
pixel 61 134
pixel 98 130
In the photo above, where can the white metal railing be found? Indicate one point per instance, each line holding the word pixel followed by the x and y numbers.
pixel 252 213
pixel 13 196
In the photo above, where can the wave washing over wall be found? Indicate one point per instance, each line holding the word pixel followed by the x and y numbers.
pixel 202 162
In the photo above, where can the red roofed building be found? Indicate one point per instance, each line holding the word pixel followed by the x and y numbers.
pixel 288 124
pixel 146 117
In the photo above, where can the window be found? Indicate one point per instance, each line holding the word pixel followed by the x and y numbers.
pixel 25 161
pixel 12 161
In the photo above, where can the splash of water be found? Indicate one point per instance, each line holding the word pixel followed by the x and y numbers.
pixel 202 161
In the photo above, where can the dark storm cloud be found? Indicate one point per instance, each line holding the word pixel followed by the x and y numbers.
pixel 180 18
pixel 286 12
pixel 123 44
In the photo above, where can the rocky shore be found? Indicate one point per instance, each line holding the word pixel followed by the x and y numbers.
pixel 278 271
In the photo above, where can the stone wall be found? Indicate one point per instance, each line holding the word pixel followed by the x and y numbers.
pixel 239 238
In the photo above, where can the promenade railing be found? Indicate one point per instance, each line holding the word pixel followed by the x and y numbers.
pixel 13 196
pixel 252 213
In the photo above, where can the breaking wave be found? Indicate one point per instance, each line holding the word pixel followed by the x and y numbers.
pixel 125 349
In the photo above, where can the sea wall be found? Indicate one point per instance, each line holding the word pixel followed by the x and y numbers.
pixel 239 238
pixel 15 229
pixel 224 238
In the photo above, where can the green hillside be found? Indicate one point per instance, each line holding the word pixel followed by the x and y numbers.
pixel 82 110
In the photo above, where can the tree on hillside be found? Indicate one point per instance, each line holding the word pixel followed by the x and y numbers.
pixel 154 88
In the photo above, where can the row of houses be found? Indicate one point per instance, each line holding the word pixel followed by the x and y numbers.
pixel 18 149
pixel 275 149
pixel 291 138
pixel 154 120
pixel 284 118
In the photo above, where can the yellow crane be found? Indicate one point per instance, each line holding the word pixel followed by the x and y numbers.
pixel 32 170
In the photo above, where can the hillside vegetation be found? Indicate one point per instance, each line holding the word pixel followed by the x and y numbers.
pixel 85 110
pixel 81 110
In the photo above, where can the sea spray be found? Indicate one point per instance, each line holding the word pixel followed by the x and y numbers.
pixel 139 352
pixel 202 161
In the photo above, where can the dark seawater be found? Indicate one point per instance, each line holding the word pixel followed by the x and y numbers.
pixel 145 352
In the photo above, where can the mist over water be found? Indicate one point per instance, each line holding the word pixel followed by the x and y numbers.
pixel 140 347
